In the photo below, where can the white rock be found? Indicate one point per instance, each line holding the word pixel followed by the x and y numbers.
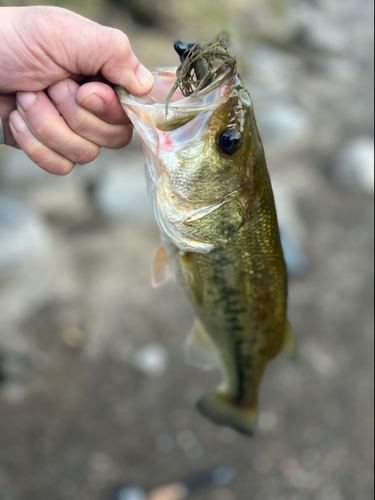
pixel 283 122
pixel 354 165
pixel 131 493
pixel 151 359
pixel 122 190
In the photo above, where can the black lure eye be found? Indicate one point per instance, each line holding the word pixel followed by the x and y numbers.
pixel 230 141
pixel 183 49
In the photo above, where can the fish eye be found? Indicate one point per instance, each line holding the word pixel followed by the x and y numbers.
pixel 230 141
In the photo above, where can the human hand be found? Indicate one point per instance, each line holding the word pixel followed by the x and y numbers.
pixel 45 51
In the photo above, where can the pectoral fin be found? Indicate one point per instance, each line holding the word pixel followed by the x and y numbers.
pixel 161 268
pixel 289 343
pixel 200 351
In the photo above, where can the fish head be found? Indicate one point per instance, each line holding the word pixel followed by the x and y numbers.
pixel 199 157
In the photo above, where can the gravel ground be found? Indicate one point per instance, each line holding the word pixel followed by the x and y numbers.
pixel 94 390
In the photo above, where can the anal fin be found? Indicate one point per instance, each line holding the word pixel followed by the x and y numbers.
pixel 200 351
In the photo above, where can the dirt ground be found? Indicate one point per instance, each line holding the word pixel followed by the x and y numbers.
pixel 94 389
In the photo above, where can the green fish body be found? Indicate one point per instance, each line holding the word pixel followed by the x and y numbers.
pixel 213 200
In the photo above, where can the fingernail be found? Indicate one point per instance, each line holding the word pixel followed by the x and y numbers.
pixel 17 121
pixel 93 102
pixel 58 92
pixel 144 77
pixel 26 99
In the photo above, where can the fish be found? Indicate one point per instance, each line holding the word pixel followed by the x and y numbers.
pixel 212 197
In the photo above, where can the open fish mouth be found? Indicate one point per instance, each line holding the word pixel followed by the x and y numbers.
pixel 187 90
pixel 181 109
pixel 174 123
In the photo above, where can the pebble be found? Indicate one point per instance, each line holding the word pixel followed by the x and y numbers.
pixel 224 476
pixel 73 336
pixel 295 258
pixel 165 443
pixel 186 439
pixel 13 392
pixel 354 165
pixel 289 466
pixel 17 357
pixel 151 359
pixel 131 493
pixel 268 421
pixel 100 462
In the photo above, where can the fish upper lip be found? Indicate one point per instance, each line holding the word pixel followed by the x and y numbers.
pixel 139 101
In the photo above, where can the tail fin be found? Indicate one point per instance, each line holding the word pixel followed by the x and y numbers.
pixel 218 408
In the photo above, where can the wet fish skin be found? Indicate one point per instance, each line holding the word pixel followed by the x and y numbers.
pixel 237 283
pixel 244 287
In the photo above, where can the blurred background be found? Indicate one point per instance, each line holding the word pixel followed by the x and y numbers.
pixel 94 390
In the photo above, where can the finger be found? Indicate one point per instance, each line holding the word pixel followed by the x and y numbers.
pixel 123 67
pixel 50 128
pixel 7 105
pixel 85 123
pixel 39 153
pixel 86 48
pixel 102 100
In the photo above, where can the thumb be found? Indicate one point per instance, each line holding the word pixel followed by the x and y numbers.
pixel 122 66
pixel 83 47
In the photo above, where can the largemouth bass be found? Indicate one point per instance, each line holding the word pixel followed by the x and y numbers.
pixel 213 200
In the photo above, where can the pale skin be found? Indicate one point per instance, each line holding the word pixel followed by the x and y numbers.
pixel 46 109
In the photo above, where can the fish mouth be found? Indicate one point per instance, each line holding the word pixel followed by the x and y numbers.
pixel 181 109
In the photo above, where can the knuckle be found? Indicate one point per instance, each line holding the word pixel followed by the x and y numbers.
pixel 38 154
pixel 123 138
pixel 80 126
pixel 62 167
pixel 44 131
pixel 122 42
pixel 48 160
pixel 89 155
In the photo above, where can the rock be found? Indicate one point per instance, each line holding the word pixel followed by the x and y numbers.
pixel 73 336
pixel 321 31
pixel 17 356
pixel 354 165
pixel 121 191
pixel 295 258
pixel 151 359
pixel 131 493
pixel 224 476
pixel 283 122
pixel 291 229
pixel 23 234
